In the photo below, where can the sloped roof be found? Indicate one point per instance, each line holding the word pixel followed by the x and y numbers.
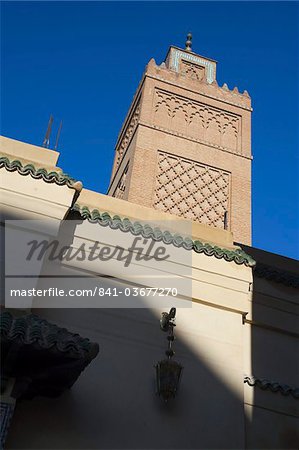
pixel 44 358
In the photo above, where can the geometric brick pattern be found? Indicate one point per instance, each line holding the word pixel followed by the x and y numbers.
pixel 123 145
pixel 191 118
pixel 192 190
pixel 191 70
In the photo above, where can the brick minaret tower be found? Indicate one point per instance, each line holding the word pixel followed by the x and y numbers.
pixel 185 146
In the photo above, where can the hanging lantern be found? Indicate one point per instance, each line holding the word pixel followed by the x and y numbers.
pixel 168 372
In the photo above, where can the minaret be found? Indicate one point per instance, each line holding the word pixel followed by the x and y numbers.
pixel 185 145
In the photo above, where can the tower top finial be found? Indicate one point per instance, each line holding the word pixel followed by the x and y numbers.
pixel 188 44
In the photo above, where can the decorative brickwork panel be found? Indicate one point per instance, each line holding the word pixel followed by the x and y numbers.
pixel 128 133
pixel 176 56
pixel 201 122
pixel 121 185
pixel 192 70
pixel 192 190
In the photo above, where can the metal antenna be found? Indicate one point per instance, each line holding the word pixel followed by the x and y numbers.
pixel 58 135
pixel 46 141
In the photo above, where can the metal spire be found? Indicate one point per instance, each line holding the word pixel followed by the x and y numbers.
pixel 188 44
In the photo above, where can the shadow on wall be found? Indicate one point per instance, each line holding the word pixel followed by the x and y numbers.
pixel 273 422
pixel 113 403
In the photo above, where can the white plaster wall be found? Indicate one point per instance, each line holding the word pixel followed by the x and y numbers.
pixel 113 404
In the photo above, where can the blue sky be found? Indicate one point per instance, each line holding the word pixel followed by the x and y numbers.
pixel 82 61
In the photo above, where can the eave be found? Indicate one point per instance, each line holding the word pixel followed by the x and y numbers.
pixel 145 230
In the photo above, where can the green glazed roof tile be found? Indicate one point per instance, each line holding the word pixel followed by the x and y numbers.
pixel 59 178
pixel 124 224
pixel 277 275
pixel 54 357
pixel 273 386
pixel 31 329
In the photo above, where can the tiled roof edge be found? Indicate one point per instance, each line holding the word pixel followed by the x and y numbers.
pixel 124 224
pixel 30 329
pixel 59 178
pixel 264 384
pixel 277 275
